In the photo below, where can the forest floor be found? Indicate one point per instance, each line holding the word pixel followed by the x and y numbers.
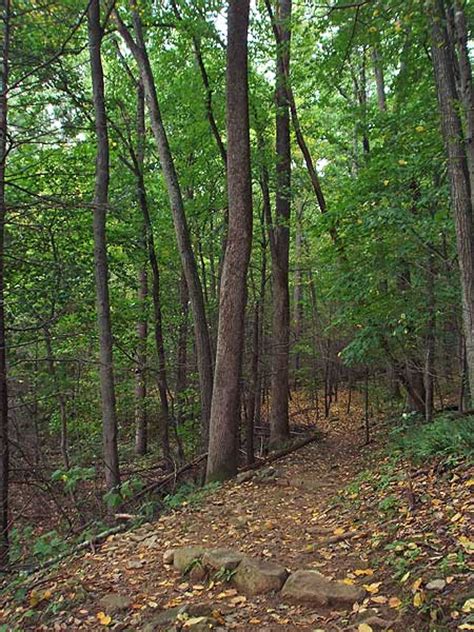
pixel 337 506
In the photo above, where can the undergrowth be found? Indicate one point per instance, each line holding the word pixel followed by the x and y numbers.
pixel 447 437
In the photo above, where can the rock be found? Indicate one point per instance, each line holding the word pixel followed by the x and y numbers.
pixel 135 564
pixel 113 603
pixel 168 556
pixel 243 477
pixel 163 619
pixel 255 576
pixel 217 559
pixel 200 624
pixel 312 587
pixel 198 615
pixel 185 556
pixel 269 472
pixel 436 584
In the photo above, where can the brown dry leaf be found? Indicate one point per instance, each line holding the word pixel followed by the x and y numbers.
pixel 394 602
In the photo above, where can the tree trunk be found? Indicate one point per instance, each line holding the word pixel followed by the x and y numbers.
pixel 141 430
pixel 188 260
pixel 465 87
pixel 164 419
pixel 279 422
pixel 112 473
pixel 4 451
pixel 225 412
pixel 298 293
pixel 430 339
pixel 443 64
pixel 182 353
pixel 379 79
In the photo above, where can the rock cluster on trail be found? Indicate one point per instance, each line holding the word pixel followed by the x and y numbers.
pixel 254 576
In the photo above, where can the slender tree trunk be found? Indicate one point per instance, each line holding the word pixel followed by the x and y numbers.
pixel 164 419
pixel 430 340
pixel 225 413
pixel 279 422
pixel 4 451
pixel 188 260
pixel 182 354
pixel 465 87
pixel 141 430
pixel 443 64
pixel 64 442
pixel 112 473
pixel 379 79
pixel 298 292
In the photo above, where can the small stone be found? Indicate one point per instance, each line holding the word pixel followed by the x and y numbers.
pixel 255 576
pixel 163 618
pixel 135 564
pixel 113 603
pixel 243 477
pixel 168 556
pixel 313 587
pixel 436 584
pixel 217 559
pixel 185 556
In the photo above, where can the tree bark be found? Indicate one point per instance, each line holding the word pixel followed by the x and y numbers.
pixel 100 202
pixel 298 293
pixel 279 422
pixel 162 382
pixel 465 87
pixel 225 412
pixel 4 446
pixel 141 430
pixel 188 260
pixel 443 65
pixel 379 79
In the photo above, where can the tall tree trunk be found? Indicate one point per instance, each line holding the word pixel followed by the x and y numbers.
pixel 443 64
pixel 225 412
pixel 182 353
pixel 298 292
pixel 188 260
pixel 430 339
pixel 279 422
pixel 164 419
pixel 109 420
pixel 379 79
pixel 141 430
pixel 465 87
pixel 4 451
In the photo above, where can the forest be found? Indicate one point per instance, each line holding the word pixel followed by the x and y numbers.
pixel 236 310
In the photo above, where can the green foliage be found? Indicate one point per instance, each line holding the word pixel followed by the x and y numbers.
pixel 127 489
pixel 73 476
pixel 446 437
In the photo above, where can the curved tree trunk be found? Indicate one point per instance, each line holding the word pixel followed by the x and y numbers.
pixel 188 260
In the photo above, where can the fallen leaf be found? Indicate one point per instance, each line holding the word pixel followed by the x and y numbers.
pixel 104 619
pixel 394 602
pixel 364 627
pixel 418 599
pixel 372 588
pixel 361 572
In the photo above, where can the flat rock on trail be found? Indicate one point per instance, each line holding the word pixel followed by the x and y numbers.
pixel 295 518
